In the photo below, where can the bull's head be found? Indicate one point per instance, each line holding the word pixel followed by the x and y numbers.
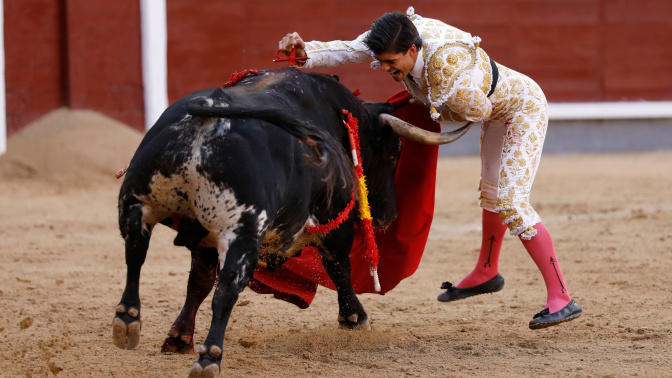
pixel 381 150
pixel 384 147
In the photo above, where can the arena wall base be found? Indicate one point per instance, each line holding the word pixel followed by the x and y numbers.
pixel 610 110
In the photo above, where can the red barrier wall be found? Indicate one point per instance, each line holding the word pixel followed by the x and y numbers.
pixel 105 59
pixel 578 50
pixel 33 62
pixel 78 53
pixel 87 54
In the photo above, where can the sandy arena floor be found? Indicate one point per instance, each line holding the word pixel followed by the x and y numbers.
pixel 63 272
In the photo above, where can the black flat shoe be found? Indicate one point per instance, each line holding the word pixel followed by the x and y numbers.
pixel 545 319
pixel 453 293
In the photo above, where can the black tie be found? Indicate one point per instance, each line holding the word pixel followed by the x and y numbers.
pixel 410 77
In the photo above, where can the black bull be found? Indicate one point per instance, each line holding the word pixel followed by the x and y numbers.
pixel 239 173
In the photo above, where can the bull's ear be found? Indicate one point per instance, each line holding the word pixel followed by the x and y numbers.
pixel 336 78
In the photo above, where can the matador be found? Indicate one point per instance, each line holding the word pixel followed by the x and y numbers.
pixel 445 69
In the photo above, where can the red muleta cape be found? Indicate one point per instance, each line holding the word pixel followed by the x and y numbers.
pixel 400 246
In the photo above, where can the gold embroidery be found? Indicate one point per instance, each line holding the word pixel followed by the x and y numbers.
pixel 462 97
pixel 521 103
pixel 486 87
pixel 435 79
pixel 517 100
pixel 483 55
pixel 465 61
pixel 452 59
pixel 504 201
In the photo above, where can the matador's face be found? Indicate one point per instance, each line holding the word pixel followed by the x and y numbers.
pixel 398 64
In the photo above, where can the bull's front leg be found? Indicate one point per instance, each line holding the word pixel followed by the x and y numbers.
pixel 237 270
pixel 126 324
pixel 336 261
pixel 202 278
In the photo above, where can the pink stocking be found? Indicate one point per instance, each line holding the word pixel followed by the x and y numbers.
pixel 540 248
pixel 488 260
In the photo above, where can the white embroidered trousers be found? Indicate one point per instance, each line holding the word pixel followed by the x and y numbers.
pixel 509 163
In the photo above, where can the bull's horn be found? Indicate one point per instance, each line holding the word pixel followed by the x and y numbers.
pixel 416 134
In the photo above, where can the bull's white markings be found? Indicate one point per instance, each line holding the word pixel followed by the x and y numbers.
pixel 301 231
pixel 241 273
pixel 220 104
pixel 223 218
pixel 179 126
pixel 200 151
pixel 223 247
pixel 312 221
pixel 210 102
pixel 243 257
pixel 262 223
pixel 163 198
pixel 215 207
pixel 147 218
pixel 222 127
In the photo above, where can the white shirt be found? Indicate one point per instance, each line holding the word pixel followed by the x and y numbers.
pixel 416 71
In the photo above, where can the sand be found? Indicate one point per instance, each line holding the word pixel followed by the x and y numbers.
pixel 63 272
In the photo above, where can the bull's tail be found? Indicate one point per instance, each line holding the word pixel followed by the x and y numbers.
pixel 326 152
pixel 272 109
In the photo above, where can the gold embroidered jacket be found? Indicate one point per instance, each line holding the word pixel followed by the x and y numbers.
pixel 456 74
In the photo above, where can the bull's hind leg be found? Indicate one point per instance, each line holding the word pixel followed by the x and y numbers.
pixel 235 273
pixel 336 261
pixel 126 324
pixel 201 280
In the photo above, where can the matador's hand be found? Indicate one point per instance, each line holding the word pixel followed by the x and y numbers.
pixel 290 41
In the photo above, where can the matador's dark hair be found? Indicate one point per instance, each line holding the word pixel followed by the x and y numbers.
pixel 393 32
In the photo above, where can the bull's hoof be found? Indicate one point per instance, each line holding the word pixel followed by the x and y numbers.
pixel 354 321
pixel 126 327
pixel 210 371
pixel 176 343
pixel 207 365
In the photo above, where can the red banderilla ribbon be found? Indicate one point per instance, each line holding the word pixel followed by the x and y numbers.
pixel 120 173
pixel 292 58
